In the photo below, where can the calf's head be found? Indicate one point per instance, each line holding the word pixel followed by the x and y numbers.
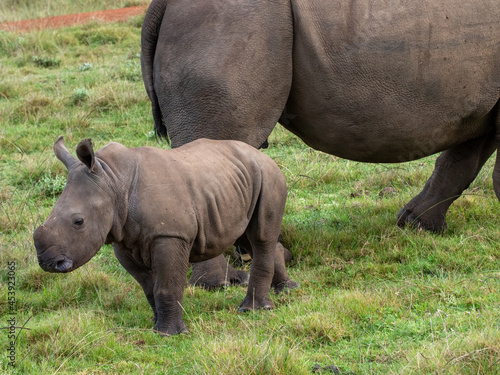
pixel 82 217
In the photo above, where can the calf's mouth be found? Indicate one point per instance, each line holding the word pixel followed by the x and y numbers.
pixel 59 263
pixel 64 265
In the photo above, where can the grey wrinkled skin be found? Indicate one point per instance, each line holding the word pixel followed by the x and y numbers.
pixel 372 81
pixel 163 209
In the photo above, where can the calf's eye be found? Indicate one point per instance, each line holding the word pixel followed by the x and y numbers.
pixel 78 222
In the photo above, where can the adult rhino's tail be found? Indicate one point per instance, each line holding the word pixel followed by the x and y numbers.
pixel 149 39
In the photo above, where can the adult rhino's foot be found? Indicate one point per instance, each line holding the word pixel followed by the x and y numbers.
pixel 429 220
pixel 217 273
pixel 170 329
pixel 454 171
pixel 250 303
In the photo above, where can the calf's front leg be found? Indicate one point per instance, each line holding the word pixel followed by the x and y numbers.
pixel 142 274
pixel 169 262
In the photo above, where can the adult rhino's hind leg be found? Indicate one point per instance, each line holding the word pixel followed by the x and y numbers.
pixel 216 273
pixel 454 171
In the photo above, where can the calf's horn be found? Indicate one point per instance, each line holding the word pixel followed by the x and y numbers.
pixel 63 154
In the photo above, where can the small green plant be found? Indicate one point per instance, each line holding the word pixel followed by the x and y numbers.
pixel 46 62
pixel 85 66
pixel 131 71
pixel 80 95
pixel 50 185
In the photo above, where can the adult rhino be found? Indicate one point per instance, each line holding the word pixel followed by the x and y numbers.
pixel 372 81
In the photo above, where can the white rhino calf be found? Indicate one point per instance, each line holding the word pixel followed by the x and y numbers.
pixel 162 209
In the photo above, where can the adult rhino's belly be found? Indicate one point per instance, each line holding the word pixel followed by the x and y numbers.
pixel 372 118
pixel 385 142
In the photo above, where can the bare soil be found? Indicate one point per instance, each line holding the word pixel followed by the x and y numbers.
pixel 111 15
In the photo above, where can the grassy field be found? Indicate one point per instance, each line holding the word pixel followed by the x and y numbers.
pixel 18 10
pixel 374 298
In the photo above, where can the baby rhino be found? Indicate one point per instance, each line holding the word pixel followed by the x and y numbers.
pixel 162 209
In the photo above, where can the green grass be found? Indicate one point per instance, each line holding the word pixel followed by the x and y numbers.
pixel 17 10
pixel 374 298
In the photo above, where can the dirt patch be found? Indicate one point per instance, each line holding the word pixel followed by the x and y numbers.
pixel 111 15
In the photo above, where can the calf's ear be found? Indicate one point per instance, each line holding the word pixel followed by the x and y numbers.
pixel 85 153
pixel 63 154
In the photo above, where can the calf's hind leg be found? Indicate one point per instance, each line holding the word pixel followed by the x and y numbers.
pixel 281 281
pixel 261 276
pixel 262 235
pixel 454 171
